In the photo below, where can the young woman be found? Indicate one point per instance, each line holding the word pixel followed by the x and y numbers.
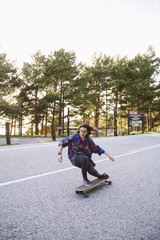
pixel 80 149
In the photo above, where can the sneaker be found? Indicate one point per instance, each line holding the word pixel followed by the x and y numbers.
pixel 104 176
pixel 87 182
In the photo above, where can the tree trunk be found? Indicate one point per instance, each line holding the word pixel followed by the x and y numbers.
pixel 147 121
pixel 20 126
pixel 63 120
pixel 150 120
pixel 68 124
pixel 8 139
pixel 36 114
pixel 42 125
pixel 96 122
pixel 32 129
pixel 60 113
pixel 36 124
pixel 53 125
pixel 106 115
pixel 115 116
pixel 14 126
pixel 46 121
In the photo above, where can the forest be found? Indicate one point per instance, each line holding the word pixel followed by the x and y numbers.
pixel 54 92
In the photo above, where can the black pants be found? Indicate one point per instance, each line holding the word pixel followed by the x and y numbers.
pixel 83 162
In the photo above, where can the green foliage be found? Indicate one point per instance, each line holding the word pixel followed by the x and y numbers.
pixel 9 82
pixel 8 76
pixel 50 84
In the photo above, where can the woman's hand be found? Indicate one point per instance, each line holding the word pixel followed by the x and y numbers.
pixel 60 159
pixel 112 159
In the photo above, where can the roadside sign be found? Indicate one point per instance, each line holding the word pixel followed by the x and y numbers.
pixel 135 119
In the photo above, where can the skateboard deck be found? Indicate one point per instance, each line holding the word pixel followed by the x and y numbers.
pixel 95 183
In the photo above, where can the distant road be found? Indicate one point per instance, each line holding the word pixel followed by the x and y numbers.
pixel 38 202
pixel 25 140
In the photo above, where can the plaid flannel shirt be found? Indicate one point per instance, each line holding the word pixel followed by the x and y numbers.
pixel 76 146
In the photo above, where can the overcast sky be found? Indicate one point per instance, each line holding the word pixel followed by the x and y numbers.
pixel 113 27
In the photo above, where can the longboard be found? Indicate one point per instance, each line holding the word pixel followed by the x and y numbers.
pixel 95 183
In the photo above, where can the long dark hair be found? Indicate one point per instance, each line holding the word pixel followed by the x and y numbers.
pixel 88 127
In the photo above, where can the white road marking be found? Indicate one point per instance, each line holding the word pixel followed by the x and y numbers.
pixel 70 168
pixel 11 148
pixel 34 177
pixel 145 148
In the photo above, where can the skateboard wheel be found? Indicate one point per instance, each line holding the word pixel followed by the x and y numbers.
pixel 109 182
pixel 86 195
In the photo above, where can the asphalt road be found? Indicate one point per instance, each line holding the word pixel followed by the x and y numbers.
pixel 25 140
pixel 38 202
